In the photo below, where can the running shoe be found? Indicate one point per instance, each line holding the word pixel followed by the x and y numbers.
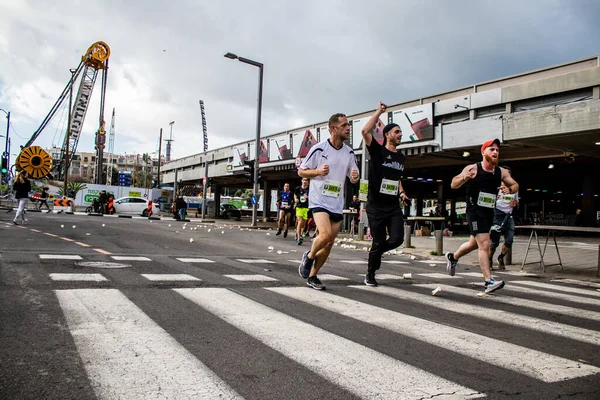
pixel 278 232
pixel 303 234
pixel 501 265
pixel 299 242
pixel 370 280
pixel 450 264
pixel 285 233
pixel 492 285
pixel 315 283
pixel 15 222
pixel 305 265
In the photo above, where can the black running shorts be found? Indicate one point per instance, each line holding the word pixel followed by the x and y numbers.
pixel 480 220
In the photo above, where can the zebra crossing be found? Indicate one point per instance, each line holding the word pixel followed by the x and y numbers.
pixel 390 342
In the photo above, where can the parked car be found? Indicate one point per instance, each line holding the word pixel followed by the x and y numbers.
pixel 134 206
pixel 230 211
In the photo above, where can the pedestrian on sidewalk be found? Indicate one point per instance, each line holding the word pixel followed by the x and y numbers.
pixel 327 165
pixel 44 199
pixel 482 181
pixel 384 212
pixel 22 187
pixel 503 224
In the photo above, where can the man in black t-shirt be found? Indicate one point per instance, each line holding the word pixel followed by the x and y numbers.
pixel 385 191
pixel 301 201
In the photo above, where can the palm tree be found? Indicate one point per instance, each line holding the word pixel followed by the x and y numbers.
pixel 73 188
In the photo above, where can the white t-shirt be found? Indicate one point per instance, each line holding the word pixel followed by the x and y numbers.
pixel 328 191
pixel 503 201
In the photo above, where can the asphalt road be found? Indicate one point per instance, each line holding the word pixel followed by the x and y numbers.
pixel 113 308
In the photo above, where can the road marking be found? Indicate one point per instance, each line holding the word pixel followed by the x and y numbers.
pixel 113 335
pixel 256 277
pixel 67 239
pixel 78 277
pixel 59 257
pixel 576 282
pixel 130 258
pixel 521 321
pixel 339 360
pixel 102 251
pixel 431 261
pixel 254 261
pixel 50 234
pixel 536 305
pixel 329 277
pixel 585 292
pixel 533 363
pixel 394 262
pixel 82 244
pixel 385 277
pixel 353 261
pixel 195 260
pixel 545 293
pixel 437 275
pixel 170 277
pixel 516 273
pixel 34 230
pixel 473 274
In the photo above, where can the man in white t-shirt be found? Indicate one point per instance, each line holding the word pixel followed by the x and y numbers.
pixel 327 165
pixel 503 224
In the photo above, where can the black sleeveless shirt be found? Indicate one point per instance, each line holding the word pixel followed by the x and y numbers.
pixel 484 181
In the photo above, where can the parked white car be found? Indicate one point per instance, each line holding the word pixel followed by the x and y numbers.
pixel 135 206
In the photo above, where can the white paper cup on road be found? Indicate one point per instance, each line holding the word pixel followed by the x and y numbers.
pixel 436 290
pixel 407 276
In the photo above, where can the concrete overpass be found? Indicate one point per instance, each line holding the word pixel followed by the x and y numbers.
pixel 547 116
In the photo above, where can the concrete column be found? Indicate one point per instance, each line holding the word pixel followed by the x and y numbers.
pixel 596 92
pixel 267 198
pixel 217 201
pixel 587 203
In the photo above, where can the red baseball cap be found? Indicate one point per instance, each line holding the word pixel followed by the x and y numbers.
pixel 489 143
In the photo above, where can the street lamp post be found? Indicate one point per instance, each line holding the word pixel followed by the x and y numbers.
pixel 258 122
pixel 6 152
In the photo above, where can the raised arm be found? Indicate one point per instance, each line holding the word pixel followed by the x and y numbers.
pixel 371 123
pixel 468 173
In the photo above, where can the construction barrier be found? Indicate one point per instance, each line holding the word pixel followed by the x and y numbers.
pixel 63 205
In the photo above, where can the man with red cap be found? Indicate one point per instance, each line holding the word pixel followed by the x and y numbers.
pixel 482 180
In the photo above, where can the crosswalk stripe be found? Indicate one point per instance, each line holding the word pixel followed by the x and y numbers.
pixel 338 359
pixel 251 278
pixel 560 296
pixel 170 277
pixel 354 261
pixel 60 257
pixel 577 282
pixel 559 288
pixel 533 363
pixel 521 321
pixel 77 277
pixel 437 275
pixel 536 305
pixel 329 277
pixel 471 274
pixel 130 258
pixel 431 261
pixel 516 273
pixel 195 260
pixel 113 335
pixel 255 261
pixel 394 262
pixel 385 277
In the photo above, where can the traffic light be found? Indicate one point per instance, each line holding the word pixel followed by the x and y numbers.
pixel 260 176
pixel 249 170
pixel 4 165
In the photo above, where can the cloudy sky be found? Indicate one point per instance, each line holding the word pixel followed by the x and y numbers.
pixel 320 56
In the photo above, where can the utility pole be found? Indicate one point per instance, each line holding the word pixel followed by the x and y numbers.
pixel 169 140
pixel 6 154
pixel 159 156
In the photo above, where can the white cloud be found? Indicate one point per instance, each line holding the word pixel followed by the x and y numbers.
pixel 320 58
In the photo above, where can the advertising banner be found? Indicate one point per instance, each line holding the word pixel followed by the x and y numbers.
pixel 240 153
pixel 415 122
pixel 279 148
pixel 263 154
pixel 359 124
pixel 302 142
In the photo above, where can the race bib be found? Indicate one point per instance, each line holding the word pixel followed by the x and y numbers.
pixel 302 199
pixel 389 187
pixel 487 200
pixel 508 197
pixel 284 204
pixel 332 189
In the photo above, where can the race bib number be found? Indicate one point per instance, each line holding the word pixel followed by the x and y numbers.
pixel 508 197
pixel 302 199
pixel 284 204
pixel 332 189
pixel 389 187
pixel 487 200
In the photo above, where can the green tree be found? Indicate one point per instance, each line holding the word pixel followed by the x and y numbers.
pixel 73 187
pixel 238 193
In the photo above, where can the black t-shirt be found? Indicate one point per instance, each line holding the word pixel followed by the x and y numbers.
pixel 487 182
pixel 302 195
pixel 384 164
